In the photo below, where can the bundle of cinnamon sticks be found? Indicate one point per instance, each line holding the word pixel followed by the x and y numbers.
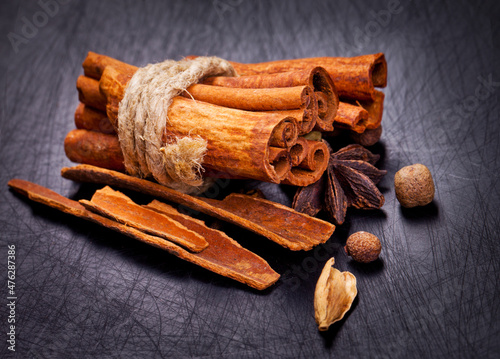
pixel 258 125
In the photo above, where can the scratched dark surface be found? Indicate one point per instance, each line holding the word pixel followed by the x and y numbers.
pixel 86 292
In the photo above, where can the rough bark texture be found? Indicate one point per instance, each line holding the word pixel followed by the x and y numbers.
pixel 87 118
pixel 120 208
pixel 354 77
pixel 272 231
pixel 243 265
pixel 94 148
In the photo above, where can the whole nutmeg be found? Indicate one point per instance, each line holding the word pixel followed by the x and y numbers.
pixel 363 247
pixel 414 186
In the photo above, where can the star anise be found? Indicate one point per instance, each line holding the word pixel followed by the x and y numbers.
pixel 350 180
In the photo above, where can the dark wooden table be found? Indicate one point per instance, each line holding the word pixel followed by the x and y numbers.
pixel 82 291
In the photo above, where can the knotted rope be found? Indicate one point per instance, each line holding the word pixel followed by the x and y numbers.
pixel 142 119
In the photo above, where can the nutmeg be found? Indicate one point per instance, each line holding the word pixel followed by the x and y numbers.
pixel 363 247
pixel 414 186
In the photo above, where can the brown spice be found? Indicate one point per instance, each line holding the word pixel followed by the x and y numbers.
pixel 87 118
pixel 271 220
pixel 350 180
pixel 414 186
pixel 333 296
pixel 363 247
pixel 120 208
pixel 241 264
pixel 354 77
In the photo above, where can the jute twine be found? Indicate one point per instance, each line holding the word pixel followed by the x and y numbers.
pixel 142 118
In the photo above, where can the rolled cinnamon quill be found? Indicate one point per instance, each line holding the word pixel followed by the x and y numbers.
pixel 88 93
pixel 374 107
pixel 87 118
pixel 304 110
pixel 268 99
pixel 299 151
pixel 94 148
pixel 315 77
pixel 238 141
pixel 94 65
pixel 354 77
pixel 351 117
pixel 312 166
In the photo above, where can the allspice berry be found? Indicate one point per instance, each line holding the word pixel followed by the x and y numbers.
pixel 414 186
pixel 363 247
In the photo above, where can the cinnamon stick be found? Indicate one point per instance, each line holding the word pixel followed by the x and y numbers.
pixel 351 117
pixel 277 153
pixel 354 77
pixel 311 168
pixel 269 229
pixel 87 118
pixel 375 109
pixel 94 65
pixel 241 265
pixel 299 151
pixel 89 94
pixel 306 118
pixel 238 141
pixel 262 99
pixel 94 148
pixel 120 208
pixel 315 77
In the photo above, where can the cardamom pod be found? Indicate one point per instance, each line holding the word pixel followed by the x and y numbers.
pixel 334 294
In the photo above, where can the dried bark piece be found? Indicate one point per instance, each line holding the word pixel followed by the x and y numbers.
pixel 334 294
pixel 297 231
pixel 320 230
pixel 120 208
pixel 244 266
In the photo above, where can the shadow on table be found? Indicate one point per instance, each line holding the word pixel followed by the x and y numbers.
pixel 428 212
pixel 330 334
